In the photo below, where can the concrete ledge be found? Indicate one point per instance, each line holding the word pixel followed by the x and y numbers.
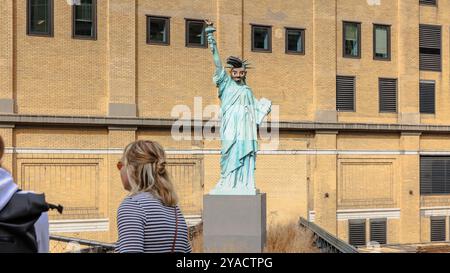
pixel 81 225
pixel 409 118
pixel 122 110
pixel 105 122
pixel 326 116
pixel 7 106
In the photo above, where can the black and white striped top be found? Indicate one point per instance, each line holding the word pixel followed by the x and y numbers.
pixel 146 225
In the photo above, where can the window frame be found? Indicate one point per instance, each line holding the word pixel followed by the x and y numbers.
pixel 303 38
pixel 359 41
pixel 269 50
pixel 94 23
pixel 50 11
pixel 187 44
pixel 167 19
pixel 389 52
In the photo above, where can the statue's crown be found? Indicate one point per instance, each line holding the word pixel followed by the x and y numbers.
pixel 235 62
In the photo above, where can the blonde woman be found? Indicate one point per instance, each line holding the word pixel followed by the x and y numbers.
pixel 149 219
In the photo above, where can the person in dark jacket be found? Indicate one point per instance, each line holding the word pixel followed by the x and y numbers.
pixel 24 226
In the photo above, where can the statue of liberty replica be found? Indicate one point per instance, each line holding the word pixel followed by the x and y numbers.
pixel 240 113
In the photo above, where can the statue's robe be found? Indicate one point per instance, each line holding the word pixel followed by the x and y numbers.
pixel 240 114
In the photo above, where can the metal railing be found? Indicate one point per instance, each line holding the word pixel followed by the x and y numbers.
pixel 62 244
pixel 325 241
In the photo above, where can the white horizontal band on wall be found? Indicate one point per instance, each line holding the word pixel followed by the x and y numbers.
pixel 434 211
pixel 193 220
pixel 343 215
pixel 81 225
pixel 217 152
pixel 90 225
pixel 352 214
pixel 311 216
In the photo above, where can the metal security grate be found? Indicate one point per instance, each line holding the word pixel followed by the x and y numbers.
pixel 357 232
pixel 345 93
pixel 378 231
pixel 437 229
pixel 387 95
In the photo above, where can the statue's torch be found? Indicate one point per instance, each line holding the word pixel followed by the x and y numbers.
pixel 210 29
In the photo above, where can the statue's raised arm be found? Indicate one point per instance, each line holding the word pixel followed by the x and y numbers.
pixel 210 29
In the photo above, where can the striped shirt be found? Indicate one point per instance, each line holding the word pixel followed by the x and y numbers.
pixel 146 225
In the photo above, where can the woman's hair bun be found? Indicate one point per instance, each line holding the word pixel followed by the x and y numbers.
pixel 160 166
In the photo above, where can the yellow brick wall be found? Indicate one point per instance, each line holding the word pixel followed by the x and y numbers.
pixel 7 135
pixel 59 75
pixel 6 50
pixel 175 74
pixel 284 79
pixel 119 67
pixel 295 184
pixel 63 76
pixel 366 69
pixel 433 16
pixel 121 50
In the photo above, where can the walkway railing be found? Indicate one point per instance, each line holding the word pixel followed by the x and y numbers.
pixel 325 241
pixel 60 244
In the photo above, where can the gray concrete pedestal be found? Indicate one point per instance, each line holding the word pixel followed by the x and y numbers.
pixel 234 223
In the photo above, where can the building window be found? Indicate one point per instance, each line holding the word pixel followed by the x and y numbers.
pixel 427 97
pixel 40 17
pixel 428 2
pixel 158 30
pixel 261 38
pixel 430 47
pixel 381 42
pixel 352 40
pixel 437 229
pixel 387 95
pixel 378 231
pixel 345 93
pixel 357 232
pixel 195 33
pixel 84 19
pixel 295 41
pixel 434 175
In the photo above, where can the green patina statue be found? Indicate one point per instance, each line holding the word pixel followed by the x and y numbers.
pixel 241 112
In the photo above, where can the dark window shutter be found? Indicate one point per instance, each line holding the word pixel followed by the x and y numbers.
pixel 430 47
pixel 357 232
pixel 428 2
pixel 345 93
pixel 378 231
pixel 435 175
pixel 427 98
pixel 388 95
pixel 437 229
